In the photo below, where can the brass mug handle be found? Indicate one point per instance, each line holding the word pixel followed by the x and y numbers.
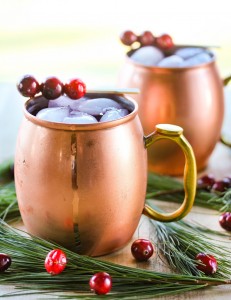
pixel 222 138
pixel 175 133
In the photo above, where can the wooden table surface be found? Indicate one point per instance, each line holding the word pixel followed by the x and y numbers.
pixel 219 165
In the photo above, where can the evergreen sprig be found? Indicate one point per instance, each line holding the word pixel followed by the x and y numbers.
pixel 170 189
pixel 181 241
pixel 178 241
pixel 27 272
pixel 8 202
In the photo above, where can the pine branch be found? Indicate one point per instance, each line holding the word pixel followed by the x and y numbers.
pixel 27 272
pixel 159 187
pixel 9 210
pixel 181 241
pixel 170 189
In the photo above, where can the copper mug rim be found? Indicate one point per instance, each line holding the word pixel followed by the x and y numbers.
pixel 78 127
pixel 170 69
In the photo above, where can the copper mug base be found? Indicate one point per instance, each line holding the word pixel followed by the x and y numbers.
pixel 83 185
pixel 191 98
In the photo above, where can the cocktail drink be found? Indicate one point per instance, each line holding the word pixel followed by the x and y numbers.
pixel 81 170
pixel 179 85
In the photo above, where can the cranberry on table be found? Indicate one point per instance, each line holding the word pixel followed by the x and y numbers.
pixel 225 221
pixel 146 38
pixel 206 181
pixel 228 180
pixel 142 249
pixel 28 86
pixel 128 38
pixel 55 262
pixel 5 262
pixel 164 41
pixel 101 283
pixel 206 263
pixel 221 185
pixel 52 88
pixel 75 89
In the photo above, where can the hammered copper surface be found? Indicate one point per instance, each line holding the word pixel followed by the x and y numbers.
pixel 188 97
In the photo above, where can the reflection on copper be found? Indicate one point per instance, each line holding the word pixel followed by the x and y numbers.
pixel 90 198
pixel 190 97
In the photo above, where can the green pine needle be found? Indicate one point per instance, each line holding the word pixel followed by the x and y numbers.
pixel 181 241
pixel 170 189
pixel 6 170
pixel 9 210
pixel 27 271
pixel 178 241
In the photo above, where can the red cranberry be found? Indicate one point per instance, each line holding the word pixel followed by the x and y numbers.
pixel 142 249
pixel 164 41
pixel 206 181
pixel 101 283
pixel 206 263
pixel 28 86
pixel 228 180
pixel 225 221
pixel 75 89
pixel 220 185
pixel 128 38
pixel 146 38
pixel 55 261
pixel 5 262
pixel 52 88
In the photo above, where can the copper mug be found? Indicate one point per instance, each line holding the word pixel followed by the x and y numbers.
pixel 83 185
pixel 190 97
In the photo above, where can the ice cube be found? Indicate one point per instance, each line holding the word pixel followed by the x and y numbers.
pixel 114 114
pixel 66 101
pixel 198 59
pixel 188 52
pixel 96 106
pixel 148 56
pixel 53 114
pixel 171 61
pixel 77 117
